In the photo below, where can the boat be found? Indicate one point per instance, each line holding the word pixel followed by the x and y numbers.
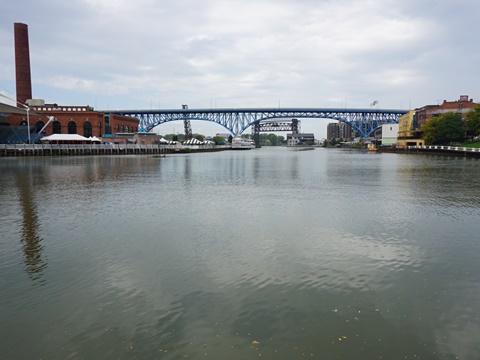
pixel 371 147
pixel 239 143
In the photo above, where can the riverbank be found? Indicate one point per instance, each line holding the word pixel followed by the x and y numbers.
pixel 434 150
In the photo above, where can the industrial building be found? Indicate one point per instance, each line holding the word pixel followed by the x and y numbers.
pixel 33 119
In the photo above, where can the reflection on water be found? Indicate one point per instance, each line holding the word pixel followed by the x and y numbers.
pixel 266 253
pixel 31 242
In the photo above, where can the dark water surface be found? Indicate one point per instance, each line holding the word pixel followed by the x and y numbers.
pixel 270 253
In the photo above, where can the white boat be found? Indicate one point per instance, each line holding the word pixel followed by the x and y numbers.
pixel 239 143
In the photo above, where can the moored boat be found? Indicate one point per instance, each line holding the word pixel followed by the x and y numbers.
pixel 239 143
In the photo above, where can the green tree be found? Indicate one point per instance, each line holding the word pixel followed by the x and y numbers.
pixel 175 137
pixel 218 140
pixel 472 124
pixel 199 137
pixel 273 139
pixel 444 129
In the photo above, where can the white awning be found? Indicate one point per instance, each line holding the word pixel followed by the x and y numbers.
pixel 64 137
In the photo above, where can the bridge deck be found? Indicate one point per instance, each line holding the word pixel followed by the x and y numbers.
pixel 364 121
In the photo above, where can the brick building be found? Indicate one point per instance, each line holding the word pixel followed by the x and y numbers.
pixel 410 124
pixel 82 120
pixel 340 130
pixel 461 106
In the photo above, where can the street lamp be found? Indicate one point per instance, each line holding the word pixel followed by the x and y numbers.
pixel 27 108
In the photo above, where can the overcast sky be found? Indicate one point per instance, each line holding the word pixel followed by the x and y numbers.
pixel 143 54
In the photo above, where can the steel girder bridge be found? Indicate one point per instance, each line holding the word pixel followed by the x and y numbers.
pixel 363 121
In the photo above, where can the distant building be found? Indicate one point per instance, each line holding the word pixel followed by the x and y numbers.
pixel 340 130
pixel 389 134
pixel 410 124
pixel 408 132
pixel 461 106
pixel 302 138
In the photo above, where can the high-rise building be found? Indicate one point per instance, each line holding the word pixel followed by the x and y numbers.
pixel 339 131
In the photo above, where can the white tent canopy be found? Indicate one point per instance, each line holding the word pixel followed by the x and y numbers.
pixel 65 137
pixel 193 141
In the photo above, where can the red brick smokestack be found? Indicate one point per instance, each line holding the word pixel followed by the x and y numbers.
pixel 22 64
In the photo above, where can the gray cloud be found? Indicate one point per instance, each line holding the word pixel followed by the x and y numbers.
pixel 123 54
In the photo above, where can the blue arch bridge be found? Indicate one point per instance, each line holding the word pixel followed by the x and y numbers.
pixel 363 121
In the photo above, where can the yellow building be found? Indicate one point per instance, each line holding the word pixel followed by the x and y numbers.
pixel 407 134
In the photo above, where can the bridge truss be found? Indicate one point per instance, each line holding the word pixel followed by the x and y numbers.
pixel 292 125
pixel 364 121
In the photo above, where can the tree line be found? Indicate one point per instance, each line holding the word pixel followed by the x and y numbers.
pixel 265 139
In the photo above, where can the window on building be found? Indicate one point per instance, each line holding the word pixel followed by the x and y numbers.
pixel 39 125
pixel 87 129
pixel 56 127
pixel 72 127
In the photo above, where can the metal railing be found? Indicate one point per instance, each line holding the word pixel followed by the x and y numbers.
pixel 445 148
pixel 94 149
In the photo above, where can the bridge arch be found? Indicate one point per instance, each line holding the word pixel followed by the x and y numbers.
pixel 364 121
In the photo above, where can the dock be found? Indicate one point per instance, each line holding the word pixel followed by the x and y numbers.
pixel 100 149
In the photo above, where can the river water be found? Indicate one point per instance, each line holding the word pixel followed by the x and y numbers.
pixel 271 253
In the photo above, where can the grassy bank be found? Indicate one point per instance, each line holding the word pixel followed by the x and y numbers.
pixel 472 145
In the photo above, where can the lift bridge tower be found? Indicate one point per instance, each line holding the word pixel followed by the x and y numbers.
pixel 292 125
pixel 187 126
